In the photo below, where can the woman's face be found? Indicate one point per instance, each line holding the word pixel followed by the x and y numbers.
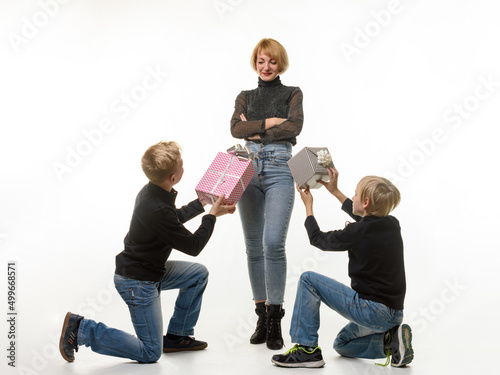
pixel 267 68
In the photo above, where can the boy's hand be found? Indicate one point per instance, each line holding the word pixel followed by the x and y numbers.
pixel 218 209
pixel 332 185
pixel 307 198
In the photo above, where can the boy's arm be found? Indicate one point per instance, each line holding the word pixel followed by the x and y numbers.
pixel 331 241
pixel 173 232
pixel 337 240
pixel 190 210
pixel 332 185
pixel 347 207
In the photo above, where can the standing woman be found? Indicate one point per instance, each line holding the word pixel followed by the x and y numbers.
pixel 269 118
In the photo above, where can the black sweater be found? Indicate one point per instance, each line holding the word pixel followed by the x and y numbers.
pixel 155 229
pixel 375 249
pixel 269 99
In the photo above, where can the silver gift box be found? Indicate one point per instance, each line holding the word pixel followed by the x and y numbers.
pixel 306 169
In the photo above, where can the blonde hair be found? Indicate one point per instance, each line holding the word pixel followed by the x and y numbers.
pixel 383 195
pixel 274 50
pixel 160 161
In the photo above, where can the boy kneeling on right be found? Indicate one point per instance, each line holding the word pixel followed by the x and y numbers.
pixel 374 303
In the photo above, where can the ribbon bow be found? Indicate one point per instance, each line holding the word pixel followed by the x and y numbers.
pixel 243 153
pixel 324 158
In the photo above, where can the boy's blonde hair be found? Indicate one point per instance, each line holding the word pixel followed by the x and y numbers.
pixel 160 161
pixel 383 195
pixel 274 50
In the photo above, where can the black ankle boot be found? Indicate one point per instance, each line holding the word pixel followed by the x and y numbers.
pixel 274 339
pixel 259 336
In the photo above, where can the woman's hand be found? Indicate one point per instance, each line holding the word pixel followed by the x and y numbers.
pixel 307 199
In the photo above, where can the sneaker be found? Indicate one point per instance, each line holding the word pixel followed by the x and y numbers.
pixel 399 346
pixel 68 342
pixel 298 356
pixel 183 343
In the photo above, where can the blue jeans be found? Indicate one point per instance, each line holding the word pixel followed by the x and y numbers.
pixel 143 300
pixel 363 337
pixel 265 210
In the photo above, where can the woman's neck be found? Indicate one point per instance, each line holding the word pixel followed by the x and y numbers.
pixel 274 82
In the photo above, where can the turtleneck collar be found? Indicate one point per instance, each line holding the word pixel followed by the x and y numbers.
pixel 274 82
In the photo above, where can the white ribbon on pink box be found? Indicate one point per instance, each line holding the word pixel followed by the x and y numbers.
pixel 229 174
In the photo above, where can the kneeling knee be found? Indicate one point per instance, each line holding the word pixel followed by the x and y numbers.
pixel 307 276
pixel 152 356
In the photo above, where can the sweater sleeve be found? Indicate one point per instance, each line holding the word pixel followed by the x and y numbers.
pixel 292 127
pixel 171 231
pixel 337 240
pixel 347 208
pixel 244 129
pixel 190 211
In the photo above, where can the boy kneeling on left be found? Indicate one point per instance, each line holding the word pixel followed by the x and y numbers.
pixel 143 269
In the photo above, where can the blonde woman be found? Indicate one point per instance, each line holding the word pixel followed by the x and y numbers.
pixel 269 118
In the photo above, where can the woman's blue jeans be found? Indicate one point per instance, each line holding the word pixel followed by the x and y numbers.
pixel 265 209
pixel 143 300
pixel 363 337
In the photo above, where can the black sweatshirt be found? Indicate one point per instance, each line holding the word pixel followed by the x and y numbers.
pixel 155 229
pixel 375 249
pixel 269 99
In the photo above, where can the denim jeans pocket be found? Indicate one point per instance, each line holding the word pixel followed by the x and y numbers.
pixel 135 292
pixel 378 315
pixel 280 159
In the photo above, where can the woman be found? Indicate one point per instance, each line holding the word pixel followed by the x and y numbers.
pixel 269 118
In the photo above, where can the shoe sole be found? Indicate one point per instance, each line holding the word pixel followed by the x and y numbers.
pixel 404 337
pixel 277 346
pixel 257 342
pixel 61 340
pixel 173 350
pixel 315 364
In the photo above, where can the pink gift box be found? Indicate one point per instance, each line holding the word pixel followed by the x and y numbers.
pixel 229 175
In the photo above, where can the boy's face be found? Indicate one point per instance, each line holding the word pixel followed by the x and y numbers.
pixel 357 205
pixel 179 172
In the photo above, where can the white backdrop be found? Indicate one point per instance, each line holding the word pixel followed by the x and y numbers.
pixel 404 89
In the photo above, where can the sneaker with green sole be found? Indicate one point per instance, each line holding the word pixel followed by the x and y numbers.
pixel 299 356
pixel 398 348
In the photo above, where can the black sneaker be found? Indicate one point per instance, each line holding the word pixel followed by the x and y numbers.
pixel 399 345
pixel 68 342
pixel 298 356
pixel 183 343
